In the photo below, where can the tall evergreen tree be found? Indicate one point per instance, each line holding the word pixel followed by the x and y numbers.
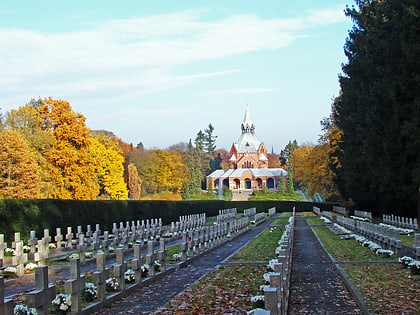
pixel 378 110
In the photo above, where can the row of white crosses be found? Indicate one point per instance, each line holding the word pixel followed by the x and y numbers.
pixel 363 214
pixel 259 218
pixel 188 222
pixel 407 223
pixel 199 239
pixel 250 212
pixel 271 211
pixel 276 295
pixel 388 238
pixel 340 210
pixel 226 215
pixel 41 297
pixel 206 237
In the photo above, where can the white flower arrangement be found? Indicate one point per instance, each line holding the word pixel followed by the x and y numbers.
pixel 258 301
pixel 26 248
pixel 129 276
pixel 177 257
pixel 74 256
pixel 9 252
pixel 267 277
pixel 397 229
pixel 112 284
pixel 157 265
pixel 62 303
pixel 271 263
pixel 144 270
pixel 326 220
pixel 410 263
pixel 90 292
pixel 30 267
pixel 21 309
pixel 89 254
pixel 52 246
pixel 10 269
pixel 385 252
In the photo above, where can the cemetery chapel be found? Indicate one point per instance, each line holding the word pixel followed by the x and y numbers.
pixel 248 164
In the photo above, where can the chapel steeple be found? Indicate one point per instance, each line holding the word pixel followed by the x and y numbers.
pixel 248 151
pixel 247 125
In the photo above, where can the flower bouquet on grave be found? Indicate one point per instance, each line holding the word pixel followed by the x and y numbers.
pixel 21 309
pixel 112 284
pixel 258 301
pixel 61 303
pixel 30 267
pixel 270 266
pixel 88 254
pixel 52 246
pixel 8 272
pixel 144 270
pixel 74 256
pixel 90 292
pixel 157 265
pixel 129 276
pixel 384 252
pixel 9 252
pixel 26 248
pixel 414 266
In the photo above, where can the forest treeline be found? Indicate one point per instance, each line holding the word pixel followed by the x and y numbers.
pixel 48 151
pixel 367 154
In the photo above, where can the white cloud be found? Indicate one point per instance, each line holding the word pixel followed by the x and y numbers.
pixel 136 56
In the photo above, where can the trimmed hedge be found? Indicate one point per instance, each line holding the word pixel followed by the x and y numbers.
pixel 26 215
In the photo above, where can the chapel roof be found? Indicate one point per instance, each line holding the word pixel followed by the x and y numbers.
pixel 238 172
pixel 248 141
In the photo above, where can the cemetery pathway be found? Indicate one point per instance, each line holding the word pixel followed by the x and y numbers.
pixel 151 298
pixel 316 287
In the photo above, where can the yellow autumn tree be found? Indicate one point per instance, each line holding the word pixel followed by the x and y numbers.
pixel 300 163
pixel 73 169
pixel 27 120
pixel 19 172
pixel 162 170
pixel 110 166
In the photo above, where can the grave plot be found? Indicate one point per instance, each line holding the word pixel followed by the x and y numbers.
pixel 386 285
pixel 88 291
pixel 230 288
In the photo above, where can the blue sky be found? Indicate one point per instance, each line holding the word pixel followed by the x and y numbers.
pixel 157 72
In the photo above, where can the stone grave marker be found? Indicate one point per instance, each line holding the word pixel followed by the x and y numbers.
pixel 100 275
pixel 136 262
pixel 43 294
pixel 58 238
pixel 6 305
pixel 74 286
pixel 120 268
pixel 19 259
pixel 3 246
pixel 150 257
pixel 32 241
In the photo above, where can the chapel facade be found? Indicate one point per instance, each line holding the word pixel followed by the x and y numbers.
pixel 248 164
